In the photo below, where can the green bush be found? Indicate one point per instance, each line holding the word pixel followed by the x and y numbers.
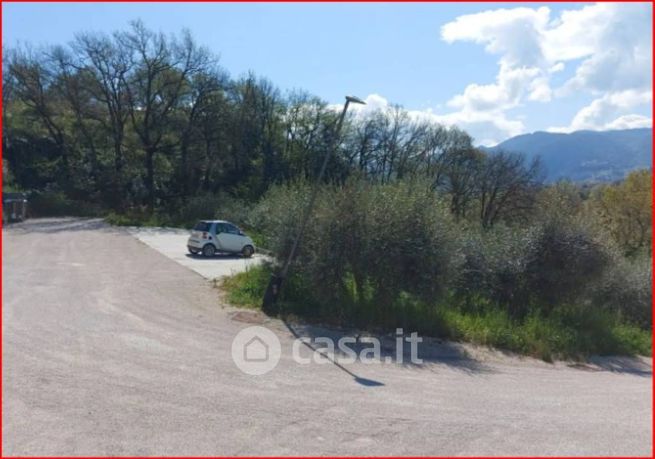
pixel 135 217
pixel 563 259
pixel 549 263
pixel 365 243
pixel 380 256
pixel 186 213
pixel 495 268
pixel 566 332
pixel 277 215
pixel 247 288
pixel 626 288
pixel 57 204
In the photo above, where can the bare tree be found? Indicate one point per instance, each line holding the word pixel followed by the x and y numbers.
pixel 304 122
pixel 34 82
pixel 507 186
pixel 161 69
pixel 205 90
pixel 107 64
pixel 459 173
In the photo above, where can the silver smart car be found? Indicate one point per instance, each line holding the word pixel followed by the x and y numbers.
pixel 211 236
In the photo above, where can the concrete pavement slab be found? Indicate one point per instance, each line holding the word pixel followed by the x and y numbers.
pixel 171 242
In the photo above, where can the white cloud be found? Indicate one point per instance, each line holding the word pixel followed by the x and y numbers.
pixel 614 41
pixel 540 90
pixel 557 67
pixel 609 43
pixel 487 128
pixel 630 122
pixel 511 84
pixel 515 33
pixel 606 45
pixel 611 112
pixel 374 102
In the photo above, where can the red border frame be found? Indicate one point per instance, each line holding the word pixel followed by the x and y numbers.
pixel 332 1
pixel 1 252
pixel 652 417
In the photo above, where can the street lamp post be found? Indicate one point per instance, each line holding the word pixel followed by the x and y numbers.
pixel 275 283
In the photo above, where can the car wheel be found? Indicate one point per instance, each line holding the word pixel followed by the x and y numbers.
pixel 248 251
pixel 209 250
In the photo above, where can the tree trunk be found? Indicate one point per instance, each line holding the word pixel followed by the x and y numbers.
pixel 118 179
pixel 150 178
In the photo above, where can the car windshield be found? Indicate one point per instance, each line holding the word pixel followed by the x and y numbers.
pixel 202 226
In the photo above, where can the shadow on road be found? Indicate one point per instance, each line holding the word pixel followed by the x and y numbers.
pixel 218 256
pixel 358 379
pixel 628 365
pixel 160 230
pixel 430 352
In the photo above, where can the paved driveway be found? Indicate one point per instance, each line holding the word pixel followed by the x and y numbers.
pixel 171 243
pixel 111 348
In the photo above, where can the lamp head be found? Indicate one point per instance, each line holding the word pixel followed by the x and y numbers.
pixel 355 100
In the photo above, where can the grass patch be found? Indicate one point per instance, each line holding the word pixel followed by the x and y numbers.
pixel 246 289
pixel 256 236
pixel 566 333
pixel 135 218
pixel 556 336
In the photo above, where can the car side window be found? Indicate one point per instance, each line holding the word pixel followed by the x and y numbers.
pixel 231 229
pixel 202 226
pixel 220 228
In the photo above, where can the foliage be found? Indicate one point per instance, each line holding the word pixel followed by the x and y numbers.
pixel 185 213
pixel 135 217
pixel 626 288
pixel 561 200
pixel 535 267
pixel 385 238
pixel 625 210
pixel 387 255
pixel 246 289
pixel 572 333
pixel 53 203
pixel 567 332
pixel 507 187
pixel 563 258
pixel 138 120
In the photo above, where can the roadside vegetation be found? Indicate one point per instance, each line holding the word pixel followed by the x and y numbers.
pixel 414 226
pixel 556 284
pixel 567 332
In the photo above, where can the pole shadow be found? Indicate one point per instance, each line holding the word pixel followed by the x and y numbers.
pixel 358 379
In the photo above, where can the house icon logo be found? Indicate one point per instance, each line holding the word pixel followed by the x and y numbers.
pixel 256 350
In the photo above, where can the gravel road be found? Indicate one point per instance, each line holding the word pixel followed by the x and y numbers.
pixel 111 348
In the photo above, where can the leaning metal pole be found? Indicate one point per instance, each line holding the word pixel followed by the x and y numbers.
pixel 275 283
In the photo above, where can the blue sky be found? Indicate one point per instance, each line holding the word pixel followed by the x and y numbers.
pixel 496 70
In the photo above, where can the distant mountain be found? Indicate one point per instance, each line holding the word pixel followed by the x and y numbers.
pixel 585 155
